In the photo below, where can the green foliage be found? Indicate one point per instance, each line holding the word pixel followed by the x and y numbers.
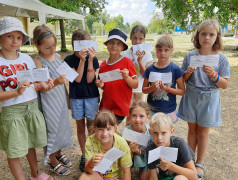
pixel 116 22
pixel 183 12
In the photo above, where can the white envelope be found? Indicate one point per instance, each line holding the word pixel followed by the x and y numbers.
pixel 165 77
pixel 64 68
pixel 110 75
pixel 199 61
pixel 85 44
pixel 147 47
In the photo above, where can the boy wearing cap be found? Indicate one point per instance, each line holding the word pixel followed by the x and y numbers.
pixel 117 94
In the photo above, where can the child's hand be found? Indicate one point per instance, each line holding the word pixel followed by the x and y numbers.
pixel 45 86
pixel 82 54
pixel 164 164
pixel 155 85
pixel 91 53
pixel 96 159
pixel 61 79
pixel 134 147
pixel 164 87
pixel 99 83
pixel 140 55
pixel 22 87
pixel 191 69
pixel 125 73
pixel 209 70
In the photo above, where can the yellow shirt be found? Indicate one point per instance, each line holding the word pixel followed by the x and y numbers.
pixel 93 146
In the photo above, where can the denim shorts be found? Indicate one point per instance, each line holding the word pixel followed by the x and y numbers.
pixel 84 108
pixel 201 107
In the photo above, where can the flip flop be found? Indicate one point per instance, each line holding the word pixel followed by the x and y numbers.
pixel 67 163
pixel 42 176
pixel 200 174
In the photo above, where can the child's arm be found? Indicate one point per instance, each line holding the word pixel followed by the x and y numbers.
pixel 132 82
pixel 221 82
pixel 99 83
pixel 189 72
pixel 188 170
pixel 141 65
pixel 180 90
pixel 91 70
pixel 82 55
pixel 94 161
pixel 127 173
pixel 146 89
pixel 152 174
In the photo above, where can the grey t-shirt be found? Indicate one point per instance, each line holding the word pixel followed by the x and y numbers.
pixel 185 154
pixel 200 79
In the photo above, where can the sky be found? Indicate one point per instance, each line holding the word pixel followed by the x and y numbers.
pixel 132 10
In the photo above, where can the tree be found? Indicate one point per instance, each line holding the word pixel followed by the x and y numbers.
pixel 94 7
pixel 116 22
pixel 183 12
pixel 158 24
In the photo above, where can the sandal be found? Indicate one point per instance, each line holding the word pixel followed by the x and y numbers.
pixel 200 174
pixel 42 176
pixel 67 163
pixel 63 172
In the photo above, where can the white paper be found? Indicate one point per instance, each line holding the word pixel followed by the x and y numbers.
pixel 109 157
pixel 165 77
pixel 68 71
pixel 147 47
pixel 85 44
pixel 110 75
pixel 24 76
pixel 41 74
pixel 199 61
pixel 167 153
pixel 133 136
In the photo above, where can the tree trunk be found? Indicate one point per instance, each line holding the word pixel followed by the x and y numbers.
pixel 62 33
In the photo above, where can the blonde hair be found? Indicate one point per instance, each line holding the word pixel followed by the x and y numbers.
pixel 217 46
pixel 140 104
pixel 164 41
pixel 161 120
pixel 39 32
pixel 104 118
pixel 79 35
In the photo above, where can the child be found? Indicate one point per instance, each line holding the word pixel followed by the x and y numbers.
pixel 54 102
pixel 141 60
pixel 83 92
pixel 201 106
pixel 117 94
pixel 161 131
pixel 162 98
pixel 99 143
pixel 139 113
pixel 22 126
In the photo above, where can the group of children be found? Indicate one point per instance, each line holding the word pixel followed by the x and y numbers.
pixel 23 127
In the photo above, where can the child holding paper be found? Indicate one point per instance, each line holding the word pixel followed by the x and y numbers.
pixel 141 59
pixel 161 130
pixel 99 143
pixel 117 93
pixel 83 92
pixel 54 102
pixel 201 106
pixel 139 114
pixel 162 97
pixel 22 125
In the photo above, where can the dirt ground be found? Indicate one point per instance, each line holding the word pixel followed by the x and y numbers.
pixel 222 156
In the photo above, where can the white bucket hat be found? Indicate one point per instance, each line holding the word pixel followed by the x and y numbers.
pixel 117 34
pixel 10 24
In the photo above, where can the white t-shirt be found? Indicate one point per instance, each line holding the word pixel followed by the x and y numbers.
pixel 8 79
pixel 146 59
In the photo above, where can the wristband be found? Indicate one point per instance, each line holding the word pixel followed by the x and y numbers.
pixel 37 88
pixel 218 77
pixel 213 74
pixel 168 90
pixel 90 70
pixel 89 165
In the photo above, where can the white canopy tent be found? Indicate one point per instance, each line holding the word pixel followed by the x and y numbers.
pixel 36 9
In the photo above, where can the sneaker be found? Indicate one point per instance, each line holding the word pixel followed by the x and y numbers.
pixel 82 163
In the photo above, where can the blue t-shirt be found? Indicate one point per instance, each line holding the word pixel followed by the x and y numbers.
pixel 200 79
pixel 159 100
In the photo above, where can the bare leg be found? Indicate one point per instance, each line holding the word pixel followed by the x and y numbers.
pixel 81 134
pixel 192 136
pixel 32 159
pixel 90 127
pixel 144 175
pixel 87 176
pixel 15 167
pixel 137 97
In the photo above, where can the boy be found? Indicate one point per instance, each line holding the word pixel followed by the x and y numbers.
pixel 161 131
pixel 117 94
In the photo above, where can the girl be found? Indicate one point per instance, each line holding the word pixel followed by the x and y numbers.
pixel 117 94
pixel 200 106
pixel 22 126
pixel 54 102
pixel 162 98
pixel 141 60
pixel 83 92
pixel 99 143
pixel 139 113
